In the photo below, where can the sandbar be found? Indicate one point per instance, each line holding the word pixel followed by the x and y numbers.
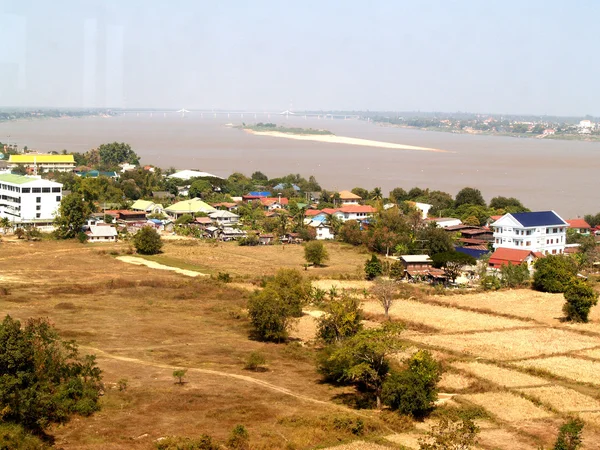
pixel 333 139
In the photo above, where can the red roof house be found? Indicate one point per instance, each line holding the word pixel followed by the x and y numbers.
pixel 579 225
pixel 504 256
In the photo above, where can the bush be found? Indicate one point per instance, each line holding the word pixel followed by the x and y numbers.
pixel 461 434
pixel 490 283
pixel 373 268
pixel 44 380
pixel 82 237
pixel 224 277
pixel 251 241
pixel 15 437
pixel 569 435
pixel 255 361
pixel 554 273
pixel 315 253
pixel 343 319
pixel 147 241
pixel 413 391
pixel 513 275
pixel 239 439
pixel 204 442
pixel 580 297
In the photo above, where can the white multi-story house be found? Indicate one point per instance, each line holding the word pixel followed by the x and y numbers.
pixel 29 200
pixel 354 212
pixel 543 231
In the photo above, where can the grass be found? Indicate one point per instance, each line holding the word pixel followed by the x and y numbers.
pixel 576 369
pixel 563 399
pixel 499 375
pixel 508 407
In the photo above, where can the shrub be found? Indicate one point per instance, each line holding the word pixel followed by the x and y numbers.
pixel 373 268
pixel 315 253
pixel 204 442
pixel 513 275
pixel 343 319
pixel 490 283
pixel 397 270
pixel 224 277
pixel 239 439
pixel 580 297
pixel 569 435
pixel 82 237
pixel 122 384
pixel 255 361
pixel 178 375
pixel 448 434
pixel 251 240
pixel 147 241
pixel 413 391
pixel 554 273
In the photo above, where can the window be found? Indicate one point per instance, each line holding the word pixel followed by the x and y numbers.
pixel 528 243
pixel 58 198
pixel 554 252
pixel 55 189
pixel 45 190
pixel 547 230
pixel 38 207
pixel 36 190
pixel 26 190
pixel 37 216
pixel 555 230
pixel 38 199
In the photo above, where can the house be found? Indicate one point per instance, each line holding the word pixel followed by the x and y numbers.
pixel 231 234
pixel 265 239
pixel 43 163
pixel 126 216
pixel 505 256
pixel 202 222
pixel 222 218
pixel 354 212
pixel 542 231
pixel 416 262
pixel 291 238
pixel 226 206
pixel 29 200
pixel 423 207
pixel 102 233
pixel 322 230
pixel 188 174
pixel 127 167
pixel 480 233
pixel 445 222
pixel 348 198
pixel 147 206
pixel 270 203
pixel 191 206
pixel 580 226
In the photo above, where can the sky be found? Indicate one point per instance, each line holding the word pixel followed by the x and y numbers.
pixel 498 56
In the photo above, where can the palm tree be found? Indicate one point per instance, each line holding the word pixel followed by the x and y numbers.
pixel 5 224
pixel 376 194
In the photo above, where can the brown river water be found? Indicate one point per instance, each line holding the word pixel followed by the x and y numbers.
pixel 543 174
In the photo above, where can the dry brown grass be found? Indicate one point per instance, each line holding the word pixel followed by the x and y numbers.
pixel 263 260
pixel 563 399
pixel 564 366
pixel 511 344
pixel 154 320
pixel 442 318
pixel 452 382
pixel 499 375
pixel 501 439
pixel 359 285
pixel 507 407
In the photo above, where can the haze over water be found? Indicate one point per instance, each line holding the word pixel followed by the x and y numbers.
pixel 543 174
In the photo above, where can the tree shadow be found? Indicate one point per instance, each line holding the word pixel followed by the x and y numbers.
pixel 356 400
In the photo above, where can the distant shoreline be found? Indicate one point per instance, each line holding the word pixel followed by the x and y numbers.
pixel 551 137
pixel 333 139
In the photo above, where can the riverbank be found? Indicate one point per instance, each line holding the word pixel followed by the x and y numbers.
pixel 333 139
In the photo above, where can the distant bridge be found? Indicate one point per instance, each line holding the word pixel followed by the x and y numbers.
pixel 234 114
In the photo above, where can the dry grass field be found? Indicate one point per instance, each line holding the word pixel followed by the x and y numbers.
pixel 142 323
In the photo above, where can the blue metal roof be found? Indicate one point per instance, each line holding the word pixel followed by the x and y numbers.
pixel 260 193
pixel 538 219
pixel 475 253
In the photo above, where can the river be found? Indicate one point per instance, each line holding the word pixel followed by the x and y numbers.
pixel 543 174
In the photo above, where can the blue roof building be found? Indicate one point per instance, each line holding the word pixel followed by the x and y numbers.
pixel 282 186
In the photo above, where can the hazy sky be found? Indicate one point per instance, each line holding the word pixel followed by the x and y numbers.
pixel 505 56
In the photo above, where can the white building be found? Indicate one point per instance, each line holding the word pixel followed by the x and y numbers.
pixel 187 174
pixel 29 200
pixel 224 218
pixel 445 222
pixel 354 212
pixel 323 231
pixel 543 231
pixel 102 233
pixel 348 198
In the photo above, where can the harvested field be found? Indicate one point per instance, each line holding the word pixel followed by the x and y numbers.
pixel 499 375
pixel 501 439
pixel 452 382
pixel 304 328
pixel 563 399
pixel 442 318
pixel 507 406
pixel 593 353
pixel 564 366
pixel 511 344
pixel 154 265
pixel 360 445
pixel 326 285
pixel 407 440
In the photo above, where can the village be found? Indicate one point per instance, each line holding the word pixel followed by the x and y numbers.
pixel 284 213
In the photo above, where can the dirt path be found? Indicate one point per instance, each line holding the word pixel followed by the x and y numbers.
pixel 154 265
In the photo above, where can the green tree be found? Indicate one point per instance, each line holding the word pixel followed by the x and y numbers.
pixel 373 268
pixel 469 196
pixel 5 224
pixel 351 233
pixel 450 435
pixel 376 194
pixel 178 375
pixel 580 297
pixel 361 192
pixel 259 177
pixel 413 391
pixel 43 379
pixel 507 202
pixel 72 215
pixel 554 273
pixel 117 153
pixel 272 309
pixel 569 435
pixel 435 240
pixel 514 275
pixel 452 263
pixel 398 195
pixel 315 253
pixel 342 319
pixel 362 360
pixel 200 188
pixel 147 241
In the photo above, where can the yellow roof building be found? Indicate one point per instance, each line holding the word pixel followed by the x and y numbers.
pixel 41 159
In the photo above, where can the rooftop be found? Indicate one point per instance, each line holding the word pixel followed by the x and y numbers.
pixel 39 159
pixel 538 219
pixel 416 258
pixel 347 195
pixel 187 174
pixel 578 223
pixel 509 255
pixel 17 179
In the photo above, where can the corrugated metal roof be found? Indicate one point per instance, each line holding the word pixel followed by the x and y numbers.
pixel 538 219
pixel 39 159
